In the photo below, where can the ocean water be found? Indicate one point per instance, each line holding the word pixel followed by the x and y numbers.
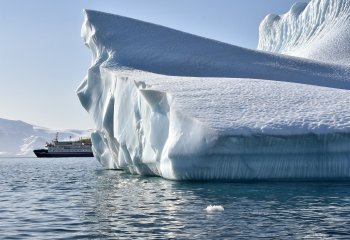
pixel 77 199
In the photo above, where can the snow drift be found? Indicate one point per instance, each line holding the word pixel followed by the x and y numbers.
pixel 184 107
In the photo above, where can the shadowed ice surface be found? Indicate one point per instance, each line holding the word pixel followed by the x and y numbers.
pixel 77 199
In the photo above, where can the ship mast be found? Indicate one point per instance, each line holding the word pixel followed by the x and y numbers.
pixel 56 139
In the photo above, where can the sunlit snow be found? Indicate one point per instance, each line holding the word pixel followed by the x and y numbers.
pixel 319 31
pixel 184 107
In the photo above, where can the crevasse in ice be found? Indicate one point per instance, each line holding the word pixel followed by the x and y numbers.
pixel 184 107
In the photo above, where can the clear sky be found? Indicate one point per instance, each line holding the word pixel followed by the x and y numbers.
pixel 43 59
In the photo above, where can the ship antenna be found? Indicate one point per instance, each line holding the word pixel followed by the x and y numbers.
pixel 56 136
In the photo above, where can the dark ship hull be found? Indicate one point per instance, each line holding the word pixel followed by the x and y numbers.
pixel 43 153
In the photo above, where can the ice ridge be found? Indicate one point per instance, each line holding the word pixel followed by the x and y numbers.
pixel 316 30
pixel 121 42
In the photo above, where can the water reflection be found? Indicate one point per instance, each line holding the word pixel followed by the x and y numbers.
pixel 133 206
pixel 77 199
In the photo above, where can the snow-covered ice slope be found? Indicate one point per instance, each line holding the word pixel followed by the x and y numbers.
pixel 19 139
pixel 120 42
pixel 180 106
pixel 317 30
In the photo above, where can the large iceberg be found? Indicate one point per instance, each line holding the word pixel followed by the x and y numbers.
pixel 184 107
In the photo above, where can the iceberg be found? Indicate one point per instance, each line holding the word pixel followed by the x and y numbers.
pixel 184 107
pixel 318 30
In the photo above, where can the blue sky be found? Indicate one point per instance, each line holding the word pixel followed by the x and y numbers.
pixel 43 58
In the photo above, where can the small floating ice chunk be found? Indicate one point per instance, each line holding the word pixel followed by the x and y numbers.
pixel 214 208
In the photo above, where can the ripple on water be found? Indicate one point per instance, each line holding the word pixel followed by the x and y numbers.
pixel 77 199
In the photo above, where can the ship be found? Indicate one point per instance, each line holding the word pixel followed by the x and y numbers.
pixel 58 149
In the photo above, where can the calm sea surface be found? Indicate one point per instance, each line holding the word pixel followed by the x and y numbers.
pixel 77 199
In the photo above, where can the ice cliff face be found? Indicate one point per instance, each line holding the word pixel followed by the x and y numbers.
pixel 179 106
pixel 317 30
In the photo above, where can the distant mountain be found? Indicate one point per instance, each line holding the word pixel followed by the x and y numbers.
pixel 18 139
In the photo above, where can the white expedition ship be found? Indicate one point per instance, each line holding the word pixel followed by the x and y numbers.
pixel 79 148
